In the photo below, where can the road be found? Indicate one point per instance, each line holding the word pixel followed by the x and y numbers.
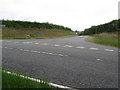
pixel 71 62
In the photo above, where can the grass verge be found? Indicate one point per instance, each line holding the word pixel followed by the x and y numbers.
pixel 14 33
pixel 108 39
pixel 14 80
pixel 52 37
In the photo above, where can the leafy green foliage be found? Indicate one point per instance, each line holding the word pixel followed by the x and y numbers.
pixel 112 26
pixel 26 24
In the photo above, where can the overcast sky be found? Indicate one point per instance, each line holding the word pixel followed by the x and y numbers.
pixel 76 14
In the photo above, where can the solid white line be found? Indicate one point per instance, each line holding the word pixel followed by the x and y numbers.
pixel 94 48
pixel 59 86
pixel 109 50
pixel 40 81
pixel 80 47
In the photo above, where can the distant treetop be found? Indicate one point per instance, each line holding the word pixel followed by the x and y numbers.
pixel 27 24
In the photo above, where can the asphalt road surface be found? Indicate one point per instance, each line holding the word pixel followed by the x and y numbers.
pixel 71 62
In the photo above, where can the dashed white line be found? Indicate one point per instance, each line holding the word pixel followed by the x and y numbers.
pixel 20 49
pixel 60 55
pixel 36 43
pixel 80 47
pixel 99 60
pixel 68 46
pixel 27 42
pixel 50 53
pixel 26 50
pixel 93 48
pixel 109 50
pixel 56 45
pixel 5 47
pixel 33 51
pixel 44 52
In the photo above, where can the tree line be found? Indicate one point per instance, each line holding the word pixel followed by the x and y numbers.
pixel 27 24
pixel 112 26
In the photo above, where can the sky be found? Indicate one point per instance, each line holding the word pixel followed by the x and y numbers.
pixel 75 14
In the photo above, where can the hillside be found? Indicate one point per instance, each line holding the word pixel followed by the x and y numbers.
pixel 107 27
pixel 25 29
pixel 26 24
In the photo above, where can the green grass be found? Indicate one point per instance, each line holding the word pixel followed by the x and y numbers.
pixel 15 81
pixel 47 37
pixel 13 33
pixel 108 39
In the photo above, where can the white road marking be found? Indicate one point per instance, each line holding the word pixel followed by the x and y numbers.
pixel 56 45
pixel 27 42
pixel 80 47
pixel 38 52
pixel 36 43
pixel 49 53
pixel 26 50
pixel 94 48
pixel 60 55
pixel 68 46
pixel 44 52
pixel 99 60
pixel 40 81
pixel 5 47
pixel 20 49
pixel 33 51
pixel 109 50
pixel 60 86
